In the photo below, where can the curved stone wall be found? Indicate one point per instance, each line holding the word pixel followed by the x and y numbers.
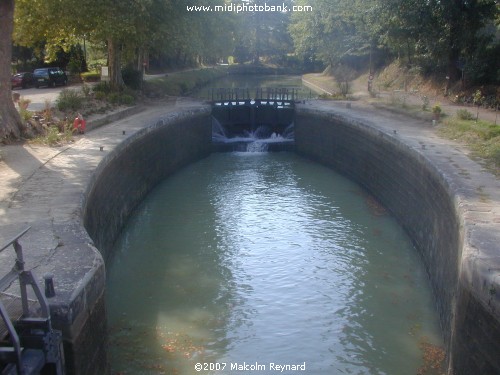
pixel 460 255
pixel 458 247
pixel 119 183
pixel 126 175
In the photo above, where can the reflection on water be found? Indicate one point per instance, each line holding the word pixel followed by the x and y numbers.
pixel 265 258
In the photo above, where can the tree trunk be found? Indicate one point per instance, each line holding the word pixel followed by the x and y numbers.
pixel 11 125
pixel 114 60
pixel 455 42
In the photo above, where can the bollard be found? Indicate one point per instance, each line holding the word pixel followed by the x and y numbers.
pixel 101 148
pixel 49 285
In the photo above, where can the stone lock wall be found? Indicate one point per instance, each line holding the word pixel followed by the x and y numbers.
pixel 119 183
pixel 138 164
pixel 420 194
pixel 425 201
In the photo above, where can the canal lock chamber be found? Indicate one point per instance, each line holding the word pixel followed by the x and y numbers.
pixel 409 185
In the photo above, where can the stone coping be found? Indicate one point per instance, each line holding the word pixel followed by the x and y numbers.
pixel 471 274
pixel 476 191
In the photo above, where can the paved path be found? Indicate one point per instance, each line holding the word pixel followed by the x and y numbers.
pixel 322 84
pixel 42 186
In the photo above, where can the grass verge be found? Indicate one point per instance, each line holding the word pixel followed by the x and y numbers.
pixel 182 83
pixel 481 137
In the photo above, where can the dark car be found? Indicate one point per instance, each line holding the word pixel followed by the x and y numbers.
pixel 23 79
pixel 50 77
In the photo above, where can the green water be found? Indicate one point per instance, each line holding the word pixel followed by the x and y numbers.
pixel 265 258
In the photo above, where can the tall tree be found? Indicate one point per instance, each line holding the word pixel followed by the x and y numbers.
pixel 332 31
pixel 123 25
pixel 11 125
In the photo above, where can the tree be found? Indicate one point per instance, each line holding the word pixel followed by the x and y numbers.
pixel 49 21
pixel 332 31
pixel 11 125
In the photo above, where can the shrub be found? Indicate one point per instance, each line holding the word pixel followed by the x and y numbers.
pixel 132 78
pixel 52 137
pixel 437 109
pixel 69 100
pixel 464 114
pixel 126 99
pixel 90 77
pixel 86 90
pixel 114 97
pixel 25 114
pixel 103 87
pixel 99 95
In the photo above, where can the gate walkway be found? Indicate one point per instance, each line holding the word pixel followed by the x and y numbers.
pixel 243 111
pixel 260 95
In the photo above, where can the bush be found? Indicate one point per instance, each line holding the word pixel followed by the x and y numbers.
pixel 121 98
pixel 464 114
pixel 437 109
pixel 114 98
pixel 126 99
pixel 86 89
pixel 132 78
pixel 25 114
pixel 99 95
pixel 102 87
pixel 69 100
pixel 90 77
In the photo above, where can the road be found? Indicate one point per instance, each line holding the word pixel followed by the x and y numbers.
pixel 39 97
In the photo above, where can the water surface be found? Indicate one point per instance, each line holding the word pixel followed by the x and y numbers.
pixel 246 258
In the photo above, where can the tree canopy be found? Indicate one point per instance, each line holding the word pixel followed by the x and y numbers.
pixel 449 36
pixel 452 37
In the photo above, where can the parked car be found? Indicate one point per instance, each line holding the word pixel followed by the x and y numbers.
pixel 50 77
pixel 23 79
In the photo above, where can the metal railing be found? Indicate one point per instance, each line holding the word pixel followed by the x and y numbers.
pixel 34 334
pixel 258 94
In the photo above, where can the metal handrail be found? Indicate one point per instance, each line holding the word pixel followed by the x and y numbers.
pixel 14 239
pixel 261 93
pixel 49 341
pixel 6 280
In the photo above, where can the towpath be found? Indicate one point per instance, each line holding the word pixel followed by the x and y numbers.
pixel 359 89
pixel 42 185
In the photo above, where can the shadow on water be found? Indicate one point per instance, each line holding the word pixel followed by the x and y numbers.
pixel 259 257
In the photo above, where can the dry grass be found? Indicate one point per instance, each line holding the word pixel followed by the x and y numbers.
pixel 481 137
